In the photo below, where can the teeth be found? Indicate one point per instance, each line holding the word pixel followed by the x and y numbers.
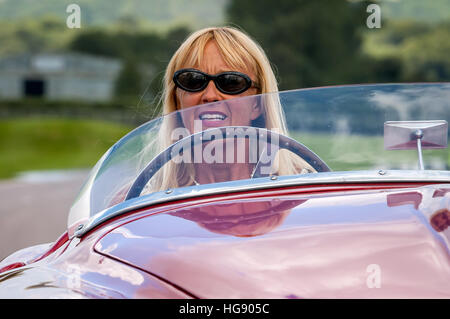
pixel 214 116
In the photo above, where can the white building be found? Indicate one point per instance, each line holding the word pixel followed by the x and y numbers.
pixel 58 76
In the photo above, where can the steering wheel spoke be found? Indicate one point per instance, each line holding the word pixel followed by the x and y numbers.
pixel 273 139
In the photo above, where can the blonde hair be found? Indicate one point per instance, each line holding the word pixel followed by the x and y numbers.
pixel 240 52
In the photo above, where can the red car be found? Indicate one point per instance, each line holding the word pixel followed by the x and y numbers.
pixel 355 203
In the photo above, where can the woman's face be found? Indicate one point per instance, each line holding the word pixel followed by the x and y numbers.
pixel 219 114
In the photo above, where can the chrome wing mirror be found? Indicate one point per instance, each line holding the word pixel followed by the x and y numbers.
pixel 407 135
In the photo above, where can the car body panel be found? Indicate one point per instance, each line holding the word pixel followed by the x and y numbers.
pixel 274 243
pixel 307 245
pixel 375 227
pixel 75 271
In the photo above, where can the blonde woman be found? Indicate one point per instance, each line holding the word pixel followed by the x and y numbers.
pixel 217 64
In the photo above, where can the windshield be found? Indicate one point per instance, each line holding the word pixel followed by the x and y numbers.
pixel 297 132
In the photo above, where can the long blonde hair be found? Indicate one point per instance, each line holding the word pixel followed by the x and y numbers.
pixel 240 52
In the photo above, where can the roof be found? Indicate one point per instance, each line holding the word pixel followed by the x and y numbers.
pixel 51 63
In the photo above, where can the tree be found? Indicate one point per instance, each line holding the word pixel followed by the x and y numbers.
pixel 311 42
pixel 426 56
pixel 145 55
pixel 128 83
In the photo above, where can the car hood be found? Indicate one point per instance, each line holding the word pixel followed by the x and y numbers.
pixel 359 244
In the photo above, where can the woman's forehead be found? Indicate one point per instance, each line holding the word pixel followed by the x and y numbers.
pixel 220 59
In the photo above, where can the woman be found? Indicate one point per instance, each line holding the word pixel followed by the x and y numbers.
pixel 200 72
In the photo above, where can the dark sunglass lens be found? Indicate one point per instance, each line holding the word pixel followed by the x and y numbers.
pixel 191 80
pixel 232 83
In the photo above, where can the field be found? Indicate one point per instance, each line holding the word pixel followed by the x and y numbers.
pixel 49 143
pixel 358 152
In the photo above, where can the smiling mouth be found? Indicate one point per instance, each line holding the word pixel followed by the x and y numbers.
pixel 212 116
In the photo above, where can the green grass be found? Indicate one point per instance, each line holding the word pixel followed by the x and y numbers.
pixel 358 152
pixel 48 143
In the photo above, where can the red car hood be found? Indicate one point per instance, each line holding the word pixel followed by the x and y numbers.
pixel 384 243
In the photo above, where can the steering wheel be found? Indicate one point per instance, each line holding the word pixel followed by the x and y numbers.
pixel 190 141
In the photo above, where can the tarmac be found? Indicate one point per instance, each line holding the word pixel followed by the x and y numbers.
pixel 34 208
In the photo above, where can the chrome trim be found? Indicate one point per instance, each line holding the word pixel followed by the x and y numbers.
pixel 376 176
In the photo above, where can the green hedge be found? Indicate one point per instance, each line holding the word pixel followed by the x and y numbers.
pixel 119 110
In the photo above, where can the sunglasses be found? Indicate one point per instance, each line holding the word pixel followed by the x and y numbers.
pixel 230 82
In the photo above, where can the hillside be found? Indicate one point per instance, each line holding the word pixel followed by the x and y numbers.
pixel 418 10
pixel 161 13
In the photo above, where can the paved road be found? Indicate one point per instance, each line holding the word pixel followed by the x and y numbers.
pixel 33 210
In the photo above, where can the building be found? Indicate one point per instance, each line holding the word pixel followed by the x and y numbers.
pixel 58 76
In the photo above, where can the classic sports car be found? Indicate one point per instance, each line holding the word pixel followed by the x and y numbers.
pixel 351 200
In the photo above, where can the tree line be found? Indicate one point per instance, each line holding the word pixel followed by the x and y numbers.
pixel 310 43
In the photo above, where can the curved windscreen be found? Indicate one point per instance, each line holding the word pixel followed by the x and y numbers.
pixel 296 132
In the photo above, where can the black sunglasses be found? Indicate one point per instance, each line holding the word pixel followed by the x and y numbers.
pixel 193 80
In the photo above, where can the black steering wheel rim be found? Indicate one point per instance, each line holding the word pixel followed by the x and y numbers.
pixel 162 158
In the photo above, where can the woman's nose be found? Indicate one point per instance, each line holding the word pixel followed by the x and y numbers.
pixel 210 93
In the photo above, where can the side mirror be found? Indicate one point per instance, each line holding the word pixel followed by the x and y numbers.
pixel 406 135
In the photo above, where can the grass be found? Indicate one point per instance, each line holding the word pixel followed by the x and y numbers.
pixel 50 143
pixel 358 152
